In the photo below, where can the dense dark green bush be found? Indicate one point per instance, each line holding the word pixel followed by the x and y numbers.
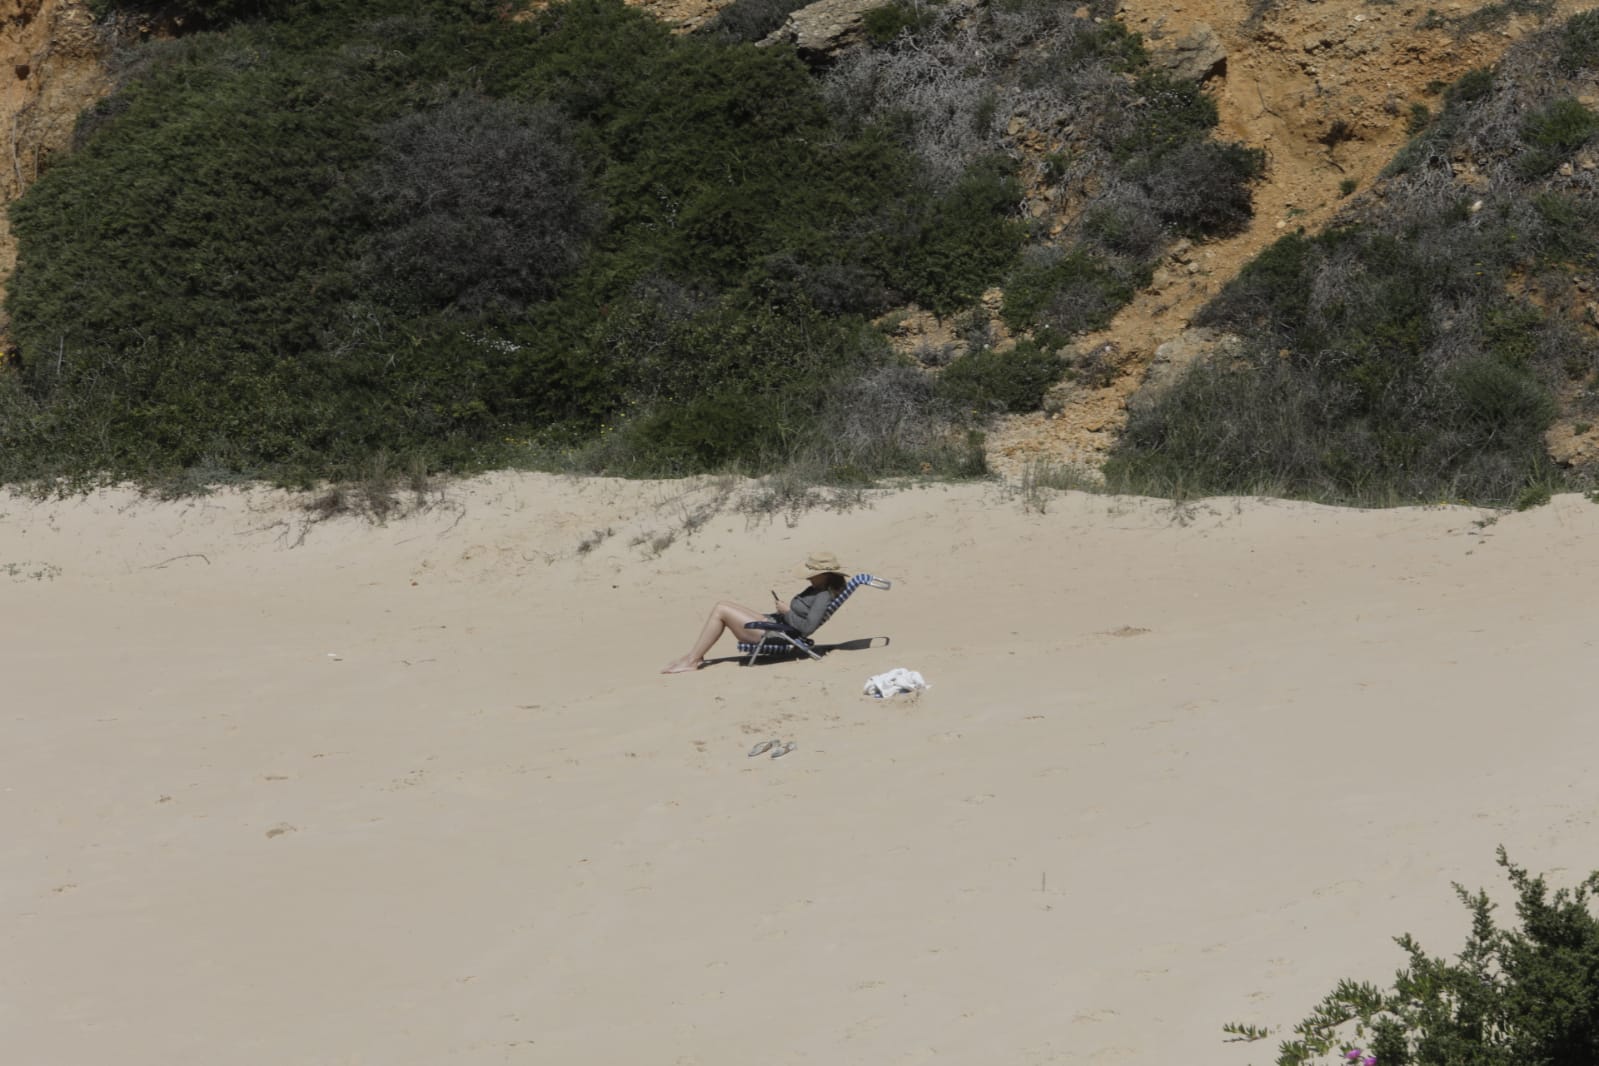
pixel 1170 114
pixel 1473 85
pixel 1579 42
pixel 1014 380
pixel 1267 425
pixel 1070 292
pixel 1512 996
pixel 1202 188
pixel 475 204
pixel 1124 223
pixel 1568 231
pixel 1553 133
pixel 963 244
pixel 1197 186
pixel 1354 386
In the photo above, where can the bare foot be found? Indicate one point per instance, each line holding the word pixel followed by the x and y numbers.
pixel 683 666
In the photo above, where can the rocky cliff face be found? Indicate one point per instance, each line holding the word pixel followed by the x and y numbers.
pixel 51 68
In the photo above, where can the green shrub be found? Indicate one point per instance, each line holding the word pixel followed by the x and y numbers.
pixel 1270 294
pixel 895 420
pixel 1014 381
pixel 1071 293
pixel 476 204
pixel 1426 135
pixel 1511 333
pixel 1579 42
pixel 702 434
pixel 1368 435
pixel 1473 85
pixel 1379 369
pixel 1125 226
pixel 1108 42
pixel 963 243
pixel 1567 230
pixel 1202 189
pixel 1197 186
pixel 1171 114
pixel 1554 132
pixel 1535 495
pixel 884 24
pixel 1487 398
pixel 1511 996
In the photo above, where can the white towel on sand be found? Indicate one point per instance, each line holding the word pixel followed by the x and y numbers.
pixel 894 682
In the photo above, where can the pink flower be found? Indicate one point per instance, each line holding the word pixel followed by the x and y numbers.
pixel 1353 1055
pixel 1369 1060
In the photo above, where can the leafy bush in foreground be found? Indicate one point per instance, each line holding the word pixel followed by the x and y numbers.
pixel 1512 997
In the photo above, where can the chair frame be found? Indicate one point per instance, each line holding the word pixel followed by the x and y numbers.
pixel 780 638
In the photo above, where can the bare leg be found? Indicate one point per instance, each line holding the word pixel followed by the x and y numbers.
pixel 724 616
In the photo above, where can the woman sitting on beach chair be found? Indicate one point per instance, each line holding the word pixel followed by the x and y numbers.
pixel 803 614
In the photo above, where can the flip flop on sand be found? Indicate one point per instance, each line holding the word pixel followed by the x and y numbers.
pixel 783 749
pixel 764 746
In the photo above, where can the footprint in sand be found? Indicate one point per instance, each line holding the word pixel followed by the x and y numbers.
pixel 410 780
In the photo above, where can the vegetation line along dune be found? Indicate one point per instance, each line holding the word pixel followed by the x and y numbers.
pixel 302 242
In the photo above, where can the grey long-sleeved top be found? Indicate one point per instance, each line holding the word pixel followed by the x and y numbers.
pixel 805 611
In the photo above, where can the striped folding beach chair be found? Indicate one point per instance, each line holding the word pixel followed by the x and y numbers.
pixel 779 638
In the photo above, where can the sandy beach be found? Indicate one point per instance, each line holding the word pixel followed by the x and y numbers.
pixel 279 792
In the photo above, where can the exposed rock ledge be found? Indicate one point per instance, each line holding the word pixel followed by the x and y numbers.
pixel 824 27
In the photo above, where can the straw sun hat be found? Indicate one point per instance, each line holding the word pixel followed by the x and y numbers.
pixel 821 563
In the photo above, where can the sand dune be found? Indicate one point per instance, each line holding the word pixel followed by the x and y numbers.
pixel 277 794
